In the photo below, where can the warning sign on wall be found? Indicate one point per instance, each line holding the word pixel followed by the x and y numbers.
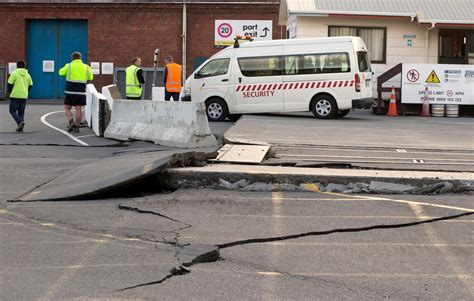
pixel 447 84
pixel 226 30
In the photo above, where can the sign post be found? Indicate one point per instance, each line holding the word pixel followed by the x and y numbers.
pixel 226 30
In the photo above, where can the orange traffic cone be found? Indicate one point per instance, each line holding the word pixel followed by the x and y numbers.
pixel 425 111
pixel 392 109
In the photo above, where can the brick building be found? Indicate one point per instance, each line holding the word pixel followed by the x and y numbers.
pixel 115 31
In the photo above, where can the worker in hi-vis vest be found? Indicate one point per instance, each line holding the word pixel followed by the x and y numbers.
pixel 134 79
pixel 19 84
pixel 172 79
pixel 77 75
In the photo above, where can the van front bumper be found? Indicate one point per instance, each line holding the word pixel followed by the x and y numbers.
pixel 363 103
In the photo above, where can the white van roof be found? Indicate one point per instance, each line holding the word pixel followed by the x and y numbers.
pixel 325 40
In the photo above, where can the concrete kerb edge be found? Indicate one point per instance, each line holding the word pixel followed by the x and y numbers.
pixel 180 178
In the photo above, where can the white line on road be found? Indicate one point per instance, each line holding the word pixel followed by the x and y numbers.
pixel 85 136
pixel 43 120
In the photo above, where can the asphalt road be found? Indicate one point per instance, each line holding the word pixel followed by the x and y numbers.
pixel 126 248
pixel 363 140
pixel 94 249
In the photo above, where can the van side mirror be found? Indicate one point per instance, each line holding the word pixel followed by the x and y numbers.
pixel 196 75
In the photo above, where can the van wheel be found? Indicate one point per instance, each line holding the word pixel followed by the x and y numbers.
pixel 342 113
pixel 324 107
pixel 216 109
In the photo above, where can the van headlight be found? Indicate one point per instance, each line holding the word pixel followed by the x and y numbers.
pixel 187 91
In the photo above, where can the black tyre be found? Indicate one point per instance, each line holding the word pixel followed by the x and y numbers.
pixel 216 109
pixel 324 107
pixel 342 113
pixel 234 117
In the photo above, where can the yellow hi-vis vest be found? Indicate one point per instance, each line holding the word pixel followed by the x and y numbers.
pixel 133 88
pixel 77 74
pixel 173 78
pixel 21 81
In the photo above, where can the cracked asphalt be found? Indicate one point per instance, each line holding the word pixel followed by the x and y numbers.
pixel 126 248
pixel 204 244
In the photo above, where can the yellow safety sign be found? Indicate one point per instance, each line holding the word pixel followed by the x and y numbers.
pixel 433 78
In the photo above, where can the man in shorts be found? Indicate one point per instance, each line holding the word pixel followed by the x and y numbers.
pixel 77 76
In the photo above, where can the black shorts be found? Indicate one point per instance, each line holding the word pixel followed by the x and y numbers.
pixel 75 100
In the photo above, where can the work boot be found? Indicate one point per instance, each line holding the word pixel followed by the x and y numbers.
pixel 20 127
pixel 70 126
pixel 76 129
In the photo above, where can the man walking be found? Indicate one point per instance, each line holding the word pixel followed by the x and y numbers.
pixel 134 79
pixel 172 79
pixel 19 84
pixel 77 75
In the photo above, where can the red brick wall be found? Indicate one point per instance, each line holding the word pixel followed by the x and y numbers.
pixel 117 32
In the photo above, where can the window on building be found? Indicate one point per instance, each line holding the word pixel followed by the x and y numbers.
pixel 214 68
pixel 260 66
pixel 374 38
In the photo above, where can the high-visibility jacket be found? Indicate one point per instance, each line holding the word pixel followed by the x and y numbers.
pixel 77 74
pixel 21 81
pixel 173 78
pixel 133 88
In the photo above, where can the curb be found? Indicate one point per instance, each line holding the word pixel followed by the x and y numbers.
pixel 416 182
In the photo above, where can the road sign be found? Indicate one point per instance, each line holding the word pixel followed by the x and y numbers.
pixel 226 30
pixel 447 84
pixel 433 78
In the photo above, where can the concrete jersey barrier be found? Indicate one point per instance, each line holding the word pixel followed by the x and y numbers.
pixel 111 93
pixel 168 123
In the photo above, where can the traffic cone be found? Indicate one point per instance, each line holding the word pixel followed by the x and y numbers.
pixel 425 111
pixel 392 109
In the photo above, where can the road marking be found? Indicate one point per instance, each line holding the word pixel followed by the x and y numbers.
pixel 72 267
pixel 368 198
pixel 401 150
pixel 85 136
pixel 436 240
pixel 43 120
pixel 2 211
pixel 420 161
pixel 343 275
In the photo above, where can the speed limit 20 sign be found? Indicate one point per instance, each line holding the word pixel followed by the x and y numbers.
pixel 227 30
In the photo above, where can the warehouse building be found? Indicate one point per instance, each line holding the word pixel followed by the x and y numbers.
pixel 109 33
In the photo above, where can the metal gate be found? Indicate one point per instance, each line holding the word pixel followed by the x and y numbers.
pixel 119 80
pixel 50 44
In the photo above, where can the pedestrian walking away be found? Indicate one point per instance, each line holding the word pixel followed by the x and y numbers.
pixel 19 84
pixel 134 79
pixel 77 76
pixel 172 79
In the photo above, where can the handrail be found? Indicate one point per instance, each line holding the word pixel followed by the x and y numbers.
pixel 383 78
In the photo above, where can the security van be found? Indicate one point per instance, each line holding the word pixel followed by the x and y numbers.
pixel 327 76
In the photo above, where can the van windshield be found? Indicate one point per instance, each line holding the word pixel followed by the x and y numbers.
pixel 364 61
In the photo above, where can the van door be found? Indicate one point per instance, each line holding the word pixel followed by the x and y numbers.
pixel 365 74
pixel 258 80
pixel 211 80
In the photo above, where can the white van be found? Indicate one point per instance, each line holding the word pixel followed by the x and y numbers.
pixel 327 76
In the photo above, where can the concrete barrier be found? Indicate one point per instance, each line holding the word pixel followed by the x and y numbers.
pixel 111 93
pixel 97 111
pixel 168 123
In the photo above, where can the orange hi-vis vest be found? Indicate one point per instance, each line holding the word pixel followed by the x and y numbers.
pixel 173 79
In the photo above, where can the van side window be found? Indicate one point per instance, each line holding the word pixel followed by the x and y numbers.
pixel 364 62
pixel 214 68
pixel 260 66
pixel 291 65
pixel 325 63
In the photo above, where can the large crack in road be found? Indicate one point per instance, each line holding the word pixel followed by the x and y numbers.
pixel 189 255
